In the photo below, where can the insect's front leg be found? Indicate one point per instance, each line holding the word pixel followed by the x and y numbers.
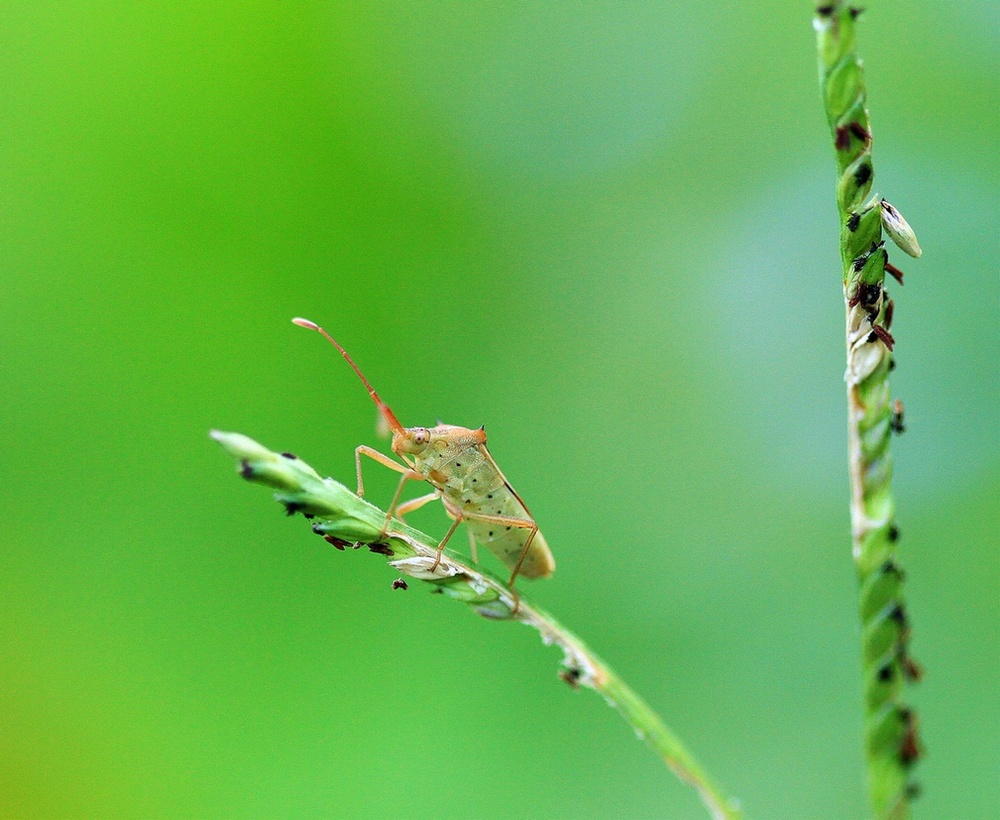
pixel 381 458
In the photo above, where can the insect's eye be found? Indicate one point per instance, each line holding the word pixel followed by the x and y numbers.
pixel 412 440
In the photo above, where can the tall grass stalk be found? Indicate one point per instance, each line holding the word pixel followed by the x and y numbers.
pixel 890 726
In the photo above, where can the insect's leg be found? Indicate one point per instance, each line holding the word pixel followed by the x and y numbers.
pixel 447 535
pixel 415 504
pixel 459 516
pixel 517 566
pixel 524 523
pixel 473 546
pixel 382 459
pixel 395 496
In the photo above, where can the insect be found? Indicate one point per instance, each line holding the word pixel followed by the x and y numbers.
pixel 457 464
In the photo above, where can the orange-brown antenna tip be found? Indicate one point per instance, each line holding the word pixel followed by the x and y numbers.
pixel 384 409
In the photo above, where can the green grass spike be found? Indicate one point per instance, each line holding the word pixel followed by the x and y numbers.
pixel 891 742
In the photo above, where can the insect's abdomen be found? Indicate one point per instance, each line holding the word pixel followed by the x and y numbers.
pixel 507 544
pixel 506 541
pixel 471 481
pixel 477 486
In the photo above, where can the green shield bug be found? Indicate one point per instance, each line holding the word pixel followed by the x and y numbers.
pixel 457 464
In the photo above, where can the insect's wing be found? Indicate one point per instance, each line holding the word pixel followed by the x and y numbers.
pixel 507 541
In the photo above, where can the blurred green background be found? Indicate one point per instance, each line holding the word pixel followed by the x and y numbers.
pixel 605 230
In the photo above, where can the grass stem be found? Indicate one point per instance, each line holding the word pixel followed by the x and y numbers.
pixel 348 521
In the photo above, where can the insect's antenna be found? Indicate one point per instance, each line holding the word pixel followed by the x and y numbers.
pixel 389 416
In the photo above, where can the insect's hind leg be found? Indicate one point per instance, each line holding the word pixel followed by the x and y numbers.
pixel 523 523
pixel 520 560
pixel 473 546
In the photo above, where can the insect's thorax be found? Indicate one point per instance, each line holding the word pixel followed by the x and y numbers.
pixel 461 469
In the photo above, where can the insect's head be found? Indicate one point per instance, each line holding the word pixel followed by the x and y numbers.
pixel 411 440
pixel 414 440
pixel 399 433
